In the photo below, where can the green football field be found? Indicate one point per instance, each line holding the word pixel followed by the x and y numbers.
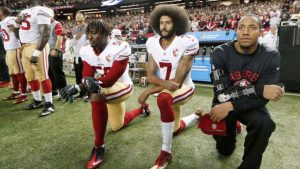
pixel 64 139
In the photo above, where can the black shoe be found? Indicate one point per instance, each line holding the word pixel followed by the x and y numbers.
pixel 34 105
pixel 48 109
pixel 96 157
pixel 146 110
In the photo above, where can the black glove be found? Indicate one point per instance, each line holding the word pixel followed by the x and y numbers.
pixel 92 85
pixel 67 92
pixel 33 59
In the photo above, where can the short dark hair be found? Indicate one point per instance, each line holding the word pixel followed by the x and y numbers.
pixel 258 20
pixel 179 17
pixel 5 11
pixel 100 27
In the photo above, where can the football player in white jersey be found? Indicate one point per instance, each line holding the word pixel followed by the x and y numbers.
pixel 13 59
pixel 171 53
pixel 106 78
pixel 34 31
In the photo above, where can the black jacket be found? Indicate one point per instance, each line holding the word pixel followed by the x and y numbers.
pixel 2 50
pixel 257 69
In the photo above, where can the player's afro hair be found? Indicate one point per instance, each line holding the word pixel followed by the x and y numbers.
pixel 179 17
pixel 100 27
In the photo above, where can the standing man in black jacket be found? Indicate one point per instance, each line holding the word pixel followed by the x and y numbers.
pixel 245 77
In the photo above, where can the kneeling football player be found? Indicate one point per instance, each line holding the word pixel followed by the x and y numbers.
pixel 107 58
pixel 171 53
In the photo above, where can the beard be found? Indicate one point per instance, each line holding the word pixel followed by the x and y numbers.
pixel 244 47
pixel 169 35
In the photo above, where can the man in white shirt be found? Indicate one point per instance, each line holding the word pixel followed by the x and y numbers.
pixel 271 38
pixel 79 39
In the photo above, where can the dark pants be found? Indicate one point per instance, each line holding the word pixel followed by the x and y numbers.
pixel 259 128
pixel 56 72
pixel 4 71
pixel 78 70
pixel 78 73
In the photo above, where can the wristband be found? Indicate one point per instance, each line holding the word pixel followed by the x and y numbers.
pixel 36 53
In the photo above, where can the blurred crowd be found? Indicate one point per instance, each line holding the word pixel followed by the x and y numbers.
pixel 202 19
pixel 17 4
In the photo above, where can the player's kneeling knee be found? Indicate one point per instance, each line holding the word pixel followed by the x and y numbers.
pixel 163 98
pixel 116 127
pixel 226 150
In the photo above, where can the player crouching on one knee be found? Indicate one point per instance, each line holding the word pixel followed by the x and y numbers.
pixel 107 59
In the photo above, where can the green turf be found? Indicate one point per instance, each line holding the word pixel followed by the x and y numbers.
pixel 64 139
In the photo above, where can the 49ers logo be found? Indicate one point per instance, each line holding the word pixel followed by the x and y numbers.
pixel 245 74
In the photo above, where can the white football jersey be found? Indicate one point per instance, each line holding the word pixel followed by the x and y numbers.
pixel 9 38
pixel 115 50
pixel 29 30
pixel 168 59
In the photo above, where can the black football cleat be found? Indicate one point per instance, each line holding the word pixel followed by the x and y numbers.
pixel 146 110
pixel 34 105
pixel 96 157
pixel 48 109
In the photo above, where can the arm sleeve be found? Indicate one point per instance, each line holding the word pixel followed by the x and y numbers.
pixel 218 63
pixel 115 72
pixel 269 76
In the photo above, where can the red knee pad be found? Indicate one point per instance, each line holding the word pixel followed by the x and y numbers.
pixel 165 102
pixel 47 86
pixel 34 85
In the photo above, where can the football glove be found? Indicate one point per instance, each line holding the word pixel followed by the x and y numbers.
pixel 92 85
pixel 35 56
pixel 33 60
pixel 69 91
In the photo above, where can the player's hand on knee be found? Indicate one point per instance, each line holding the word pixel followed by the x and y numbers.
pixel 220 111
pixel 273 92
pixel 92 85
pixel 171 85
pixel 67 92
